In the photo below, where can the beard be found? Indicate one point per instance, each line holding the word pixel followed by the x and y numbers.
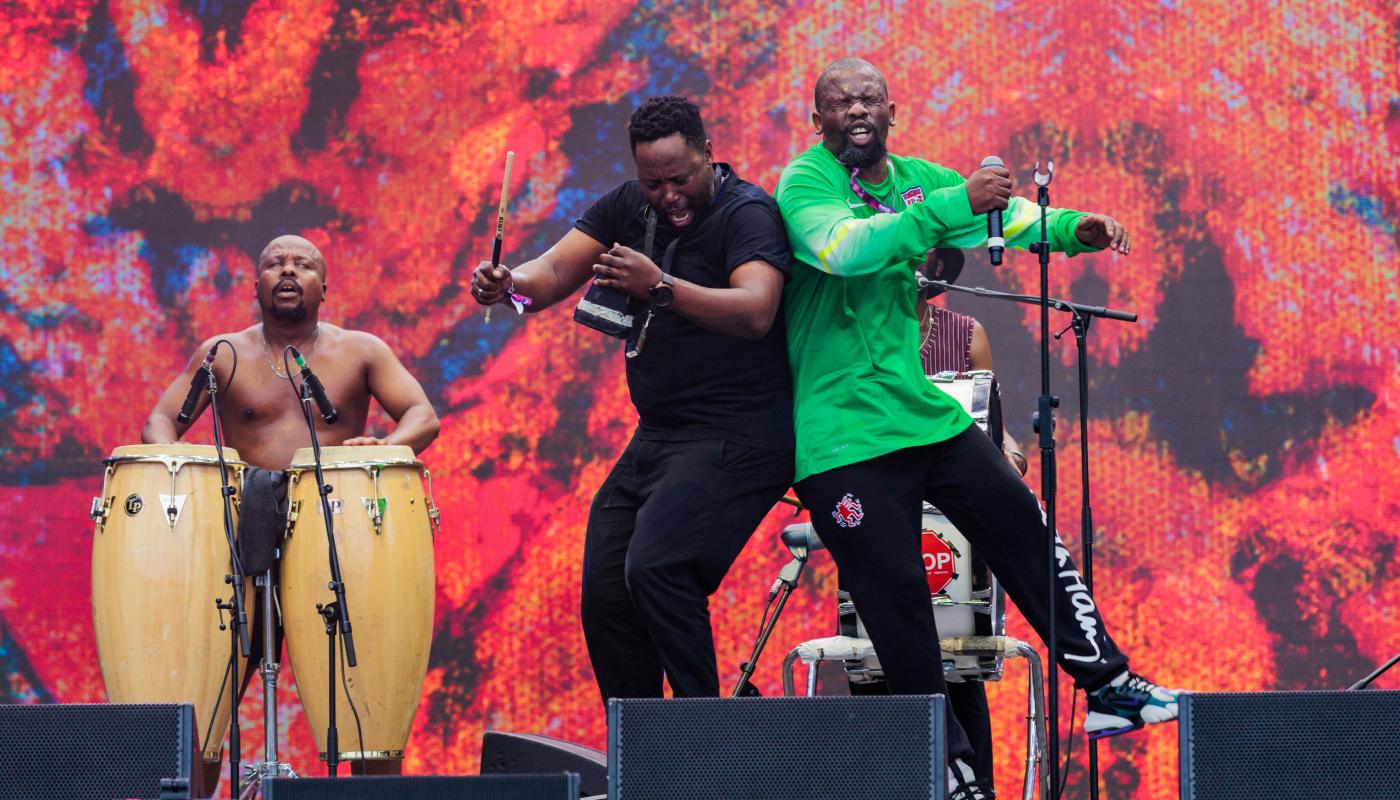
pixel 853 157
pixel 296 313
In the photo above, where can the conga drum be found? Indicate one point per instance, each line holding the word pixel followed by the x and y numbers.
pixel 159 557
pixel 383 527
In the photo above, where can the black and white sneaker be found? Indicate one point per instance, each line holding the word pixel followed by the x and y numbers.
pixel 963 785
pixel 1126 704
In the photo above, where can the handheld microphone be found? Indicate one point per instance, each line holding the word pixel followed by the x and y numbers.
pixel 318 392
pixel 995 242
pixel 198 383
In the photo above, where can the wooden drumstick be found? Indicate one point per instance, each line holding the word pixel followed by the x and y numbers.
pixel 501 222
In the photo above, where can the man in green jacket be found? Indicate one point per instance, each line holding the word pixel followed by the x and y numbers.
pixel 874 437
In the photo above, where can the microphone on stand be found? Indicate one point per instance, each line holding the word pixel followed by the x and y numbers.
pixel 318 392
pixel 801 539
pixel 198 383
pixel 995 242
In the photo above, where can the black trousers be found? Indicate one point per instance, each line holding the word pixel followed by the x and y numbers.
pixel 663 530
pixel 868 515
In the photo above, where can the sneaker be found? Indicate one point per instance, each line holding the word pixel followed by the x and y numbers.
pixel 1127 703
pixel 962 784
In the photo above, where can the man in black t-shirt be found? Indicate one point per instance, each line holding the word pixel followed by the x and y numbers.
pixel 712 452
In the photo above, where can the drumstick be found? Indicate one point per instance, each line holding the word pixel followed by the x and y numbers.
pixel 500 222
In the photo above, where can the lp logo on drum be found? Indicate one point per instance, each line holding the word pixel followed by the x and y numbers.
pixel 133 505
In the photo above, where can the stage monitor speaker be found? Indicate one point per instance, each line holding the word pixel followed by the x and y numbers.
pixel 777 748
pixel 97 751
pixel 563 786
pixel 513 753
pixel 1287 745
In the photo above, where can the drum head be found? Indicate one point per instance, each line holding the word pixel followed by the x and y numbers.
pixel 377 454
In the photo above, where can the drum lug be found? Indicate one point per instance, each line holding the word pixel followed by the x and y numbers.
pixel 432 506
pixel 293 511
pixel 101 507
pixel 374 507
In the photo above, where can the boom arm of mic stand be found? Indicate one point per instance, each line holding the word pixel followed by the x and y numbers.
pixel 1061 305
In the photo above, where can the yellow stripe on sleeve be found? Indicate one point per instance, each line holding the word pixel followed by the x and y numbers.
pixel 841 232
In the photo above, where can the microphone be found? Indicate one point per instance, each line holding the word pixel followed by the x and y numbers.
pixel 995 242
pixel 802 538
pixel 318 392
pixel 198 383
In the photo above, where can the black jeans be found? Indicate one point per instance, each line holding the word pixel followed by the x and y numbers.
pixel 868 515
pixel 662 532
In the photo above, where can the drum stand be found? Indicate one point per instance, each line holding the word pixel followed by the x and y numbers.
pixel 336 614
pixel 237 607
pixel 254 774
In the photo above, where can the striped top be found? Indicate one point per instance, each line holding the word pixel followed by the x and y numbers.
pixel 948 343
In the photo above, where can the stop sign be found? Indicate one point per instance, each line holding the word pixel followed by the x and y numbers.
pixel 939 562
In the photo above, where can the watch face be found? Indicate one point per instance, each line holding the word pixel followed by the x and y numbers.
pixel 661 295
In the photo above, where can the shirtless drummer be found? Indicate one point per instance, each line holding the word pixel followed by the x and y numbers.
pixel 261 418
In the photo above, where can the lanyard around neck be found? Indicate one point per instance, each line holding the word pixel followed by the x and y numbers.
pixel 870 199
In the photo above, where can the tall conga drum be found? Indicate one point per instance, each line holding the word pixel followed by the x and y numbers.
pixel 383 525
pixel 159 558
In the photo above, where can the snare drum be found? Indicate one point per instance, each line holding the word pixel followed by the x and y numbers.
pixel 967 601
pixel 383 526
pixel 979 396
pixel 159 557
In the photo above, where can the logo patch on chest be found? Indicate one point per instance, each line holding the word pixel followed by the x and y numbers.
pixel 912 196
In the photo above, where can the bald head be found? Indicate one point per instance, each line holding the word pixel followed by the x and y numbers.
pixel 853 114
pixel 291 245
pixel 843 67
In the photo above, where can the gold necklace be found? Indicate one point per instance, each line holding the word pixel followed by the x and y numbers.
pixel 267 349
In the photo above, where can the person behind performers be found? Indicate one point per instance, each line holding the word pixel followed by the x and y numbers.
pixel 712 451
pixel 260 416
pixel 874 437
pixel 953 342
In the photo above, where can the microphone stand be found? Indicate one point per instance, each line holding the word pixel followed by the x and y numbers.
pixel 1080 324
pixel 238 614
pixel 1081 316
pixel 782 589
pixel 336 614
pixel 1044 425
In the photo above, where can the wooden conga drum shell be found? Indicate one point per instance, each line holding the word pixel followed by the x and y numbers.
pixel 155 582
pixel 388 574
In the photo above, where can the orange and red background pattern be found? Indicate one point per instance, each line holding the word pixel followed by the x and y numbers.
pixel 1245 433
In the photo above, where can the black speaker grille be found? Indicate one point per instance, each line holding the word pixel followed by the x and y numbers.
pixel 1286 745
pixel 97 751
pixel 483 787
pixel 504 753
pixel 776 748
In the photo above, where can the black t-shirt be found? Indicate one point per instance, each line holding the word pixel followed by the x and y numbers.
pixel 690 383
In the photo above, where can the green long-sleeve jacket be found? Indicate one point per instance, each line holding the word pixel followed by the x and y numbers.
pixel 852 322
